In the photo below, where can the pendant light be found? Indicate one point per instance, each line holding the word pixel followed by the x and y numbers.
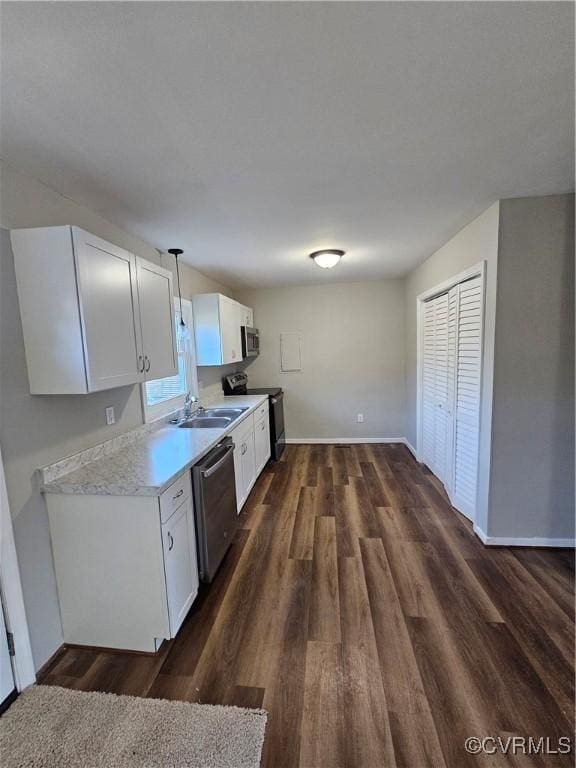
pixel 327 258
pixel 178 252
pixel 184 336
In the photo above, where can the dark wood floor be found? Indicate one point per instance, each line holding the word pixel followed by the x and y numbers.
pixel 363 614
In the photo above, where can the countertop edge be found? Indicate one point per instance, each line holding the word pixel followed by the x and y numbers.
pixel 60 486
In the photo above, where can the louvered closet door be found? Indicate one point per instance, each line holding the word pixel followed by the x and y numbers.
pixel 428 385
pixel 451 394
pixel 435 385
pixel 468 372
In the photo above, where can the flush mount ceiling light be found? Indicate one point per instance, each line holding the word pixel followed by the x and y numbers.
pixel 327 258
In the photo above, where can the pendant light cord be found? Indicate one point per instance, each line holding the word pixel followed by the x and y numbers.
pixel 179 292
pixel 176 252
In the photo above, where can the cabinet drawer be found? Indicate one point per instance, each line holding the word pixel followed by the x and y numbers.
pixel 175 495
pixel 261 411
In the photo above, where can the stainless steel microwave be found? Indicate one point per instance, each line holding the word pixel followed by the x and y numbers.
pixel 250 342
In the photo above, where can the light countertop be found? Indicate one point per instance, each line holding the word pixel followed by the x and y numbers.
pixel 150 464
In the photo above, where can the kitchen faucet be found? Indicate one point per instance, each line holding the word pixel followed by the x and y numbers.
pixel 188 402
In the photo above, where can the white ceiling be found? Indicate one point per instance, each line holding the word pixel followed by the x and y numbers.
pixel 250 134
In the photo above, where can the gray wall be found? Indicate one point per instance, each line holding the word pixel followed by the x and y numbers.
pixel 37 430
pixel 532 481
pixel 352 357
pixel 477 242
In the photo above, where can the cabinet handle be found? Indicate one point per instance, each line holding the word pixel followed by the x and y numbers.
pixel 147 359
pixel 180 492
pixel 244 448
pixel 262 425
pixel 170 542
pixel 140 364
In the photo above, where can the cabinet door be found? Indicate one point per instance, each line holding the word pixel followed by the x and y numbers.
pixel 155 299
pixel 207 334
pixel 261 443
pixel 230 330
pixel 246 316
pixel 180 564
pixel 108 303
pixel 7 684
pixel 248 458
pixel 236 436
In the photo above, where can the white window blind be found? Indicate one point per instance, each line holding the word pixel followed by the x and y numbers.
pixel 173 386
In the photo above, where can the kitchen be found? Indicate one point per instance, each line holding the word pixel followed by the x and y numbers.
pixel 286 382
pixel 146 516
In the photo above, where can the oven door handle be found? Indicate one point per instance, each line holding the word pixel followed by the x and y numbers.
pixel 215 467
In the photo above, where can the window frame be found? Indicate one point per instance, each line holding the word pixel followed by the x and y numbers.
pixel 161 410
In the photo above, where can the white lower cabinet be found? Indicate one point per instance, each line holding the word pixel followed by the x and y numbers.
pixel 251 452
pixel 261 436
pixel 261 443
pixel 248 459
pixel 180 564
pixel 244 460
pixel 126 566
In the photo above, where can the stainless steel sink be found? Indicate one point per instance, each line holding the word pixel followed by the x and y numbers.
pixel 213 418
pixel 207 422
pixel 232 413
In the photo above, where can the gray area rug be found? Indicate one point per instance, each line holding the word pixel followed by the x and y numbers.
pixel 50 727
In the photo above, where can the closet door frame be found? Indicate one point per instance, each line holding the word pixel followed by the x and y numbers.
pixel 478 270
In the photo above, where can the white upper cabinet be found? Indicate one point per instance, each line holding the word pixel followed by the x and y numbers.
pixel 230 330
pixel 246 316
pixel 106 283
pixel 217 329
pixel 155 301
pixel 81 319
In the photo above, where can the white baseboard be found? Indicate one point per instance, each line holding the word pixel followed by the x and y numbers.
pixel 511 541
pixel 343 440
pixel 410 447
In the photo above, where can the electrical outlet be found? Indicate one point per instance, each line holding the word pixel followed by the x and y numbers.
pixel 110 418
pixel 360 418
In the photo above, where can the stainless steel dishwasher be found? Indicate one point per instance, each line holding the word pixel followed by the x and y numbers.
pixel 215 506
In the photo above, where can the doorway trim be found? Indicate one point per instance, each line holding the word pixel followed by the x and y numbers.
pixel 12 596
pixel 477 270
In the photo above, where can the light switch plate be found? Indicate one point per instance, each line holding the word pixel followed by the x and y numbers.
pixel 110 417
pixel 360 418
